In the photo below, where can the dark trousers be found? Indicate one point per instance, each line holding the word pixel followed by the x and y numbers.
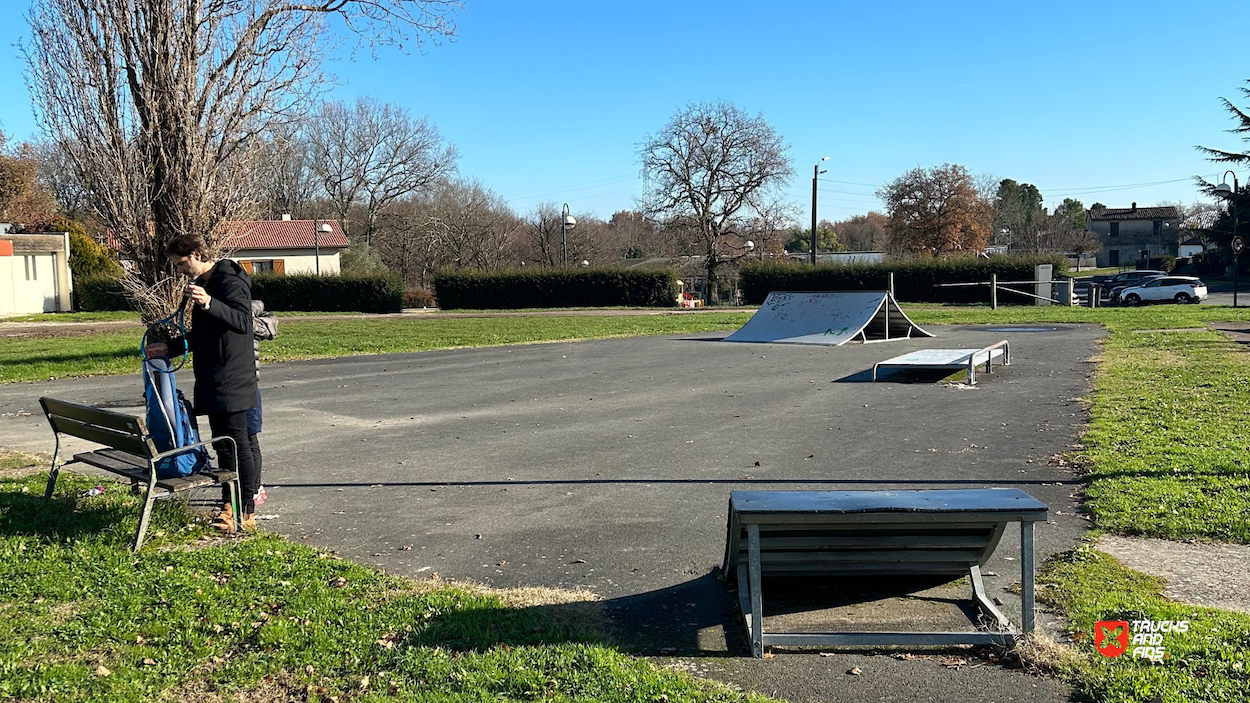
pixel 235 425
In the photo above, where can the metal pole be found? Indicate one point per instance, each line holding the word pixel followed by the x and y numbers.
pixel 815 175
pixel 317 245
pixel 1235 263
pixel 993 291
pixel 564 236
pixel 891 274
pixel 1029 603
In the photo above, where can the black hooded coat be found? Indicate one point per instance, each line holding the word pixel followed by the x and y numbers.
pixel 220 341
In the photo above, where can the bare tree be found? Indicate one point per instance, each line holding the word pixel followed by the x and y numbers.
pixel 543 229
pixel 56 173
pixel 374 153
pixel 162 98
pixel 710 168
pixel 284 179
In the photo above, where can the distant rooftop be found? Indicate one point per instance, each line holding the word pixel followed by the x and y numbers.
pixel 1166 212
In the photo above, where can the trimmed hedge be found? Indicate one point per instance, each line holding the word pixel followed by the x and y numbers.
pixel 98 293
pixel 309 293
pixel 554 288
pixel 914 279
pixel 301 293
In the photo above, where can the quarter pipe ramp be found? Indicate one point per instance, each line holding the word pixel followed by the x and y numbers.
pixel 830 318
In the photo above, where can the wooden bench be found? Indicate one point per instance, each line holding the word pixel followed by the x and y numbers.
pixel 850 533
pixel 131 454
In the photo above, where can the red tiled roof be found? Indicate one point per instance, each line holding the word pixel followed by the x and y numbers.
pixel 282 234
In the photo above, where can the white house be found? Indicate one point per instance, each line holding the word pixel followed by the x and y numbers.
pixel 286 246
pixel 34 273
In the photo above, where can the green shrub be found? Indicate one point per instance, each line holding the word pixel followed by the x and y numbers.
pixel 86 256
pixel 914 279
pixel 98 293
pixel 554 288
pixel 310 293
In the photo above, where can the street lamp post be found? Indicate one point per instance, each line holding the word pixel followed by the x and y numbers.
pixel 319 229
pixel 567 221
pixel 1223 188
pixel 815 174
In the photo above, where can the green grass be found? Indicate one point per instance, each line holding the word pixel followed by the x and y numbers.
pixel 1165 453
pixel 106 316
pixel 118 352
pixel 193 619
pixel 1209 663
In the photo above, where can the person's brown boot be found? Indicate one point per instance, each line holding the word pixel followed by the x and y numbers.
pixel 224 520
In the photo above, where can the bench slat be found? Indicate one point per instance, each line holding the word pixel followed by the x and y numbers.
pixel 94 416
pixel 835 541
pixel 101 435
pixel 834 559
pixel 116 462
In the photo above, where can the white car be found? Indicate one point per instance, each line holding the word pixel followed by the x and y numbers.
pixel 1175 289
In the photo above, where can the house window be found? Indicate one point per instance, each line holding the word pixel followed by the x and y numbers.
pixel 32 271
pixel 258 266
pixel 1158 227
pixel 1115 229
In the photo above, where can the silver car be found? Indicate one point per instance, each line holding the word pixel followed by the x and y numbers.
pixel 1166 289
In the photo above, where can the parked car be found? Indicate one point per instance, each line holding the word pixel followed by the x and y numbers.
pixel 1117 283
pixel 1176 289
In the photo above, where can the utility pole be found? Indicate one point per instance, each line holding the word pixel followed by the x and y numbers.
pixel 815 174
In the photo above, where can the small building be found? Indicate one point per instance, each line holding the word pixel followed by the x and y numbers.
pixel 34 273
pixel 1129 234
pixel 1190 246
pixel 284 247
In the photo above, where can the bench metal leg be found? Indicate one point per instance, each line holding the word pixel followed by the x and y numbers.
pixel 1026 575
pixel 757 598
pixel 983 600
pixel 52 473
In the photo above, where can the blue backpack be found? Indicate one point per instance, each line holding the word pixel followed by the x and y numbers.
pixel 171 421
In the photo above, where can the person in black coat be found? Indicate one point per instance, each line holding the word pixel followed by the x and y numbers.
pixel 223 360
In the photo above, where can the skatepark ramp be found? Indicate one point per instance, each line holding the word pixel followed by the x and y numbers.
pixel 831 318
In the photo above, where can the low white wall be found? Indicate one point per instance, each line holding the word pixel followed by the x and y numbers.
pixel 294 260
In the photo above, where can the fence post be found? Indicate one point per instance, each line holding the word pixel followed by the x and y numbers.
pixel 993 291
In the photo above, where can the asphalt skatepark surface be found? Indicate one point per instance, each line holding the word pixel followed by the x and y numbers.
pixel 608 464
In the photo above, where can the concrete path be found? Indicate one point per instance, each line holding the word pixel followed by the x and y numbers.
pixel 608 465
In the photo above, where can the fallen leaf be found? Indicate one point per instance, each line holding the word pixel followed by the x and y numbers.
pixel 364 683
pixel 309 670
pixel 856 671
pixel 148 661
pixel 405 548
pixel 102 671
pixel 338 582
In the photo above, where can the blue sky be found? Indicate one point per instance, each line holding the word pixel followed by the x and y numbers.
pixel 548 100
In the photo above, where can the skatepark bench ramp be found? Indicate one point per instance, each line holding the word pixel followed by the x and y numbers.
pixel 853 533
pixel 130 454
pixel 950 359
pixel 830 318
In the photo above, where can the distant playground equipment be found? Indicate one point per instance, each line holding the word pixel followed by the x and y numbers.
pixel 951 359
pixel 830 318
